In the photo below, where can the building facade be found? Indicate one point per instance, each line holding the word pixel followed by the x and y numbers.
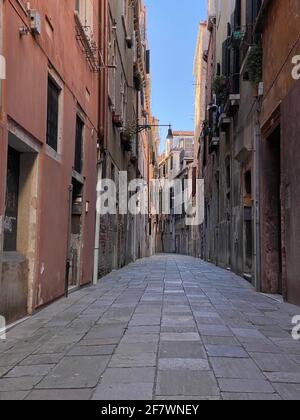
pixel 177 164
pixel 248 143
pixel 75 110
pixel 48 151
pixel 230 140
pixel 126 143
pixel 279 163
pixel 200 73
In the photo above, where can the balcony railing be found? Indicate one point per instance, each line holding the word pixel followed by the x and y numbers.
pixel 87 43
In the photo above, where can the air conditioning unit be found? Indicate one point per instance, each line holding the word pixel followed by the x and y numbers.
pixel 35 22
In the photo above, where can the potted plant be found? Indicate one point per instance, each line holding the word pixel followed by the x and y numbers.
pixel 117 120
pixel 254 65
pixel 137 80
pixel 127 136
pixel 221 87
pixel 236 38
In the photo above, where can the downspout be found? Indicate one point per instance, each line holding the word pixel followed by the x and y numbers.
pixel 136 237
pixel 97 225
pixel 149 197
pixel 102 125
pixel 69 241
pixel 2 134
pixel 256 152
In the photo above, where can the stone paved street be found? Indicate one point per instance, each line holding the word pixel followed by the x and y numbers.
pixel 168 327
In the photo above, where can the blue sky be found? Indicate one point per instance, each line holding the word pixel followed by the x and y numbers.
pixel 172 34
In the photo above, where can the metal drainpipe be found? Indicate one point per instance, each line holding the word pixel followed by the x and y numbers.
pixel 68 264
pixel 256 153
pixel 136 239
pixel 102 111
pixel 97 225
pixel 2 106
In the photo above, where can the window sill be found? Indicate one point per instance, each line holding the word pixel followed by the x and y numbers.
pixel 53 154
pixel 78 177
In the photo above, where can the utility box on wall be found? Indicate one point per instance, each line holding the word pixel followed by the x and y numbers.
pixel 35 22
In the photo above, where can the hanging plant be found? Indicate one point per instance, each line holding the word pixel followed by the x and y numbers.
pixel 221 87
pixel 236 38
pixel 137 80
pixel 254 64
pixel 127 135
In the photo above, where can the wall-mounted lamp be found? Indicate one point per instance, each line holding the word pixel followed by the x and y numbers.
pixel 145 127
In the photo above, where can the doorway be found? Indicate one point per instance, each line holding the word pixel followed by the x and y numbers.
pixel 11 200
pixel 273 219
pixel 248 225
pixel 75 235
pixel 20 227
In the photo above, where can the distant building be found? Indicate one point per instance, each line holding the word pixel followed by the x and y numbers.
pixel 200 72
pixel 177 163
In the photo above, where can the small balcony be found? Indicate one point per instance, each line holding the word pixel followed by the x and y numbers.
pixel 87 44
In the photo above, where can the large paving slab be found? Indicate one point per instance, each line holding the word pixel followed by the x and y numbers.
pixel 163 328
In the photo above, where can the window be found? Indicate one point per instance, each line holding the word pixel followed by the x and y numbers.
pixel 194 188
pixel 79 145
pixel 172 198
pixel 252 11
pixel 11 200
pixel 123 97
pixel 160 203
pixel 238 15
pixel 84 8
pixel 248 183
pixel 52 114
pixel 113 172
pixel 112 57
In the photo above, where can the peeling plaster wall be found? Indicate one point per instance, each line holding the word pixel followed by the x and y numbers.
pixel 281 42
pixel 14 287
pixel 291 195
pixel 28 65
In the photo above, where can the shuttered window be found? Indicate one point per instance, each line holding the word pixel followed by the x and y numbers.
pixel 52 114
pixel 78 145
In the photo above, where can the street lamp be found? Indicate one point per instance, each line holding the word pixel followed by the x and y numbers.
pixel 145 127
pixel 170 134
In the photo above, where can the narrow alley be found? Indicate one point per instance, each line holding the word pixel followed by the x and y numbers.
pixel 167 327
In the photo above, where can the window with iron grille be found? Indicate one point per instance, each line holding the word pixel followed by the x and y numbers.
pixel 78 145
pixel 52 114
